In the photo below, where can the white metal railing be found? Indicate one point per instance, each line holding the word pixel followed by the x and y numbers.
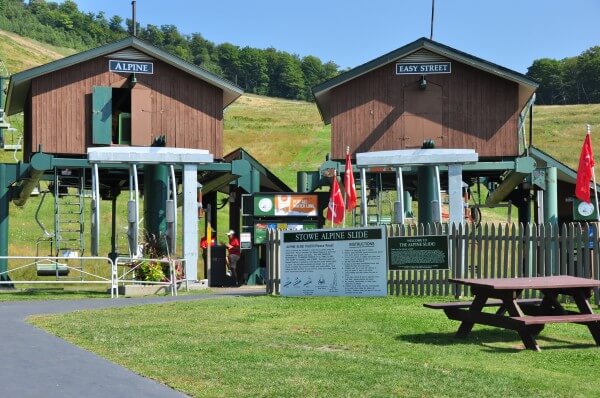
pixel 83 275
pixel 131 264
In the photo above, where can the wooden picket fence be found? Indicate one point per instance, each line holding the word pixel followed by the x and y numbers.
pixel 485 251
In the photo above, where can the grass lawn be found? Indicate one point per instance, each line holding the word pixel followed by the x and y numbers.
pixel 298 347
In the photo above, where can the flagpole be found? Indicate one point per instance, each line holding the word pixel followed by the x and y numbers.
pixel 335 178
pixel 345 191
pixel 589 132
pixel 345 200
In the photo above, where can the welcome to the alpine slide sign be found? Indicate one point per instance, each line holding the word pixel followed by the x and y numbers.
pixel 352 262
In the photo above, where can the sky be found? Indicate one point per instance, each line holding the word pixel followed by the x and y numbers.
pixel 511 33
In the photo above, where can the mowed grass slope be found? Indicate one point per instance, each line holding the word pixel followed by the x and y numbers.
pixel 286 136
pixel 19 53
pixel 560 130
pixel 330 347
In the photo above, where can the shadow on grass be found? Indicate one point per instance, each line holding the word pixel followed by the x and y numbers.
pixel 486 338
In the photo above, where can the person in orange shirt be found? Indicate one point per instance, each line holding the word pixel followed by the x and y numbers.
pixel 204 247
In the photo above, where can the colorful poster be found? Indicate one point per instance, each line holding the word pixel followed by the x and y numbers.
pixel 261 229
pixel 288 205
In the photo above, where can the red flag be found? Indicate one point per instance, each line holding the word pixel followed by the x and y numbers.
pixel 585 170
pixel 335 209
pixel 349 185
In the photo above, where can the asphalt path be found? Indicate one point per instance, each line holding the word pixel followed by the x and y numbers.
pixel 37 364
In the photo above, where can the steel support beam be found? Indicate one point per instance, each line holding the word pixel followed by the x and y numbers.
pixel 427 194
pixel 550 199
pixel 190 221
pixel 4 201
pixel 525 164
pixel 551 196
pixel 399 203
pixel 252 266
pixel 363 197
pixel 509 183
pixel 156 180
pixel 456 205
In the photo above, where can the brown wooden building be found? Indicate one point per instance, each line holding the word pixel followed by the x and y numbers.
pixel 426 90
pixel 124 93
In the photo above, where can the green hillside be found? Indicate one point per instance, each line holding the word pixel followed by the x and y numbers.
pixel 560 130
pixel 19 53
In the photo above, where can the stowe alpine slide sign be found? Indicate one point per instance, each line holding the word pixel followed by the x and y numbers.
pixel 334 262
pixel 353 262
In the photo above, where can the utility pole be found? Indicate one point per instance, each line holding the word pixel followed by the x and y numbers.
pixel 432 13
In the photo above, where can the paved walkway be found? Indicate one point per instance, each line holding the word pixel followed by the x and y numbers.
pixel 37 364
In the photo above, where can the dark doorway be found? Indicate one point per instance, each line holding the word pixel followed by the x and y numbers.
pixel 121 116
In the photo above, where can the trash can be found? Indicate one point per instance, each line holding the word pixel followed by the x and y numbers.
pixel 218 268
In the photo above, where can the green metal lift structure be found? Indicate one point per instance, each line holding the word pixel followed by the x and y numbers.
pixel 17 181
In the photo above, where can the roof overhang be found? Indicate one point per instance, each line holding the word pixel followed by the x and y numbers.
pixel 20 83
pixel 416 157
pixel 148 155
pixel 322 92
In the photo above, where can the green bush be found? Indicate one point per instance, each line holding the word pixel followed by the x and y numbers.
pixel 151 271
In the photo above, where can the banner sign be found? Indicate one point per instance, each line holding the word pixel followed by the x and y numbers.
pixel 261 229
pixel 334 262
pixel 427 68
pixel 418 252
pixel 121 66
pixel 290 205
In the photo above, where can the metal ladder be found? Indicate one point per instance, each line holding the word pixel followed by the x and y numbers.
pixel 69 189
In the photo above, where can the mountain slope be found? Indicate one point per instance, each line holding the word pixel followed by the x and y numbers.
pixel 19 53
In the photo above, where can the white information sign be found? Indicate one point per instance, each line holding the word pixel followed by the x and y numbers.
pixel 334 262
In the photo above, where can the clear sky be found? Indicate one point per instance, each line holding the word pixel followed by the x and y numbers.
pixel 511 33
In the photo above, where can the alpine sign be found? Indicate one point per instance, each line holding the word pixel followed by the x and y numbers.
pixel 130 66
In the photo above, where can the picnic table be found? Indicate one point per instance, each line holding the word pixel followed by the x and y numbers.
pixel 525 316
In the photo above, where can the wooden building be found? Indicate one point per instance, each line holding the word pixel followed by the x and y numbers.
pixel 124 93
pixel 426 90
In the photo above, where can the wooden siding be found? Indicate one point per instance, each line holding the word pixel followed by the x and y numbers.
pixel 187 110
pixel 479 111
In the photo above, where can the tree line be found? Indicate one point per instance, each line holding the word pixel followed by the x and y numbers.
pixel 574 80
pixel 268 71
pixel 261 71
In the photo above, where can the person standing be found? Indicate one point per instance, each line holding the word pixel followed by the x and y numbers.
pixel 234 253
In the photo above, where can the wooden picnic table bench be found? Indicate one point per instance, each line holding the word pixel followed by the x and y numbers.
pixel 467 304
pixel 525 316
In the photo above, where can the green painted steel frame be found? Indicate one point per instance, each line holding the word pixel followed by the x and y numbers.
pixel 248 178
